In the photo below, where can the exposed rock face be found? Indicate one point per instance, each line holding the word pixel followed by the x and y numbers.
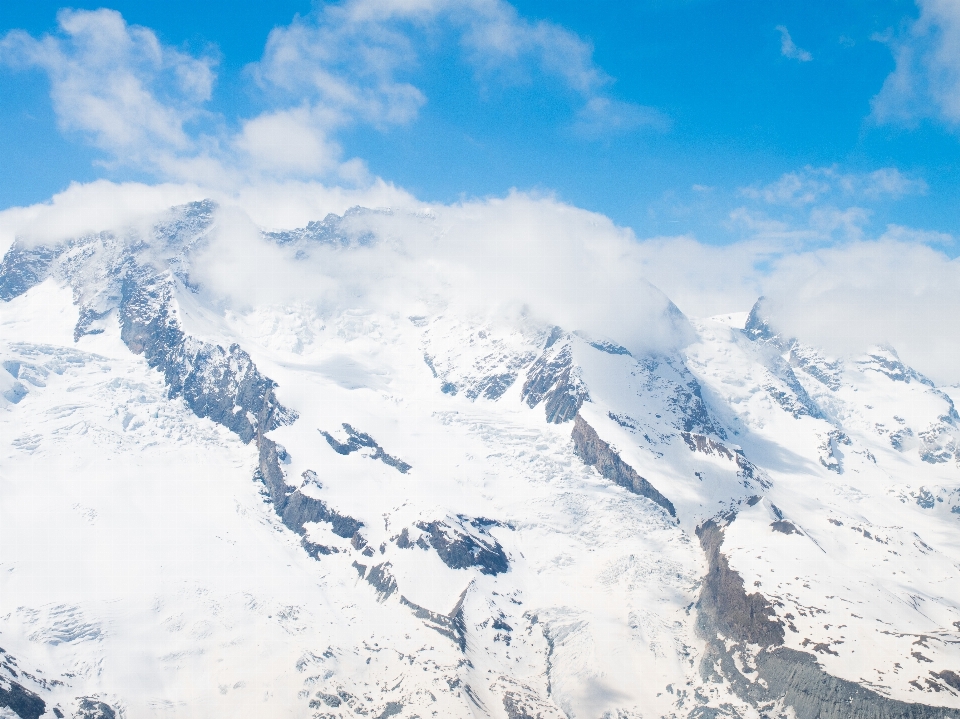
pixel 222 384
pixel 484 363
pixel 24 267
pixel 334 230
pixel 554 380
pixel 138 279
pixel 294 507
pixel 749 472
pixel 93 708
pixel 725 605
pixel 783 386
pixel 450 625
pixel 382 580
pixel 460 548
pixel 596 453
pixel 728 616
pixel 356 440
pixel 22 702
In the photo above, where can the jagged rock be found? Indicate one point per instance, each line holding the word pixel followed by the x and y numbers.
pixel 382 580
pixel 93 708
pixel 725 606
pixel 293 506
pixel 356 440
pixel 24 267
pixel 450 625
pixel 554 380
pixel 726 613
pixel 334 230
pixel 23 702
pixel 596 453
pixel 706 445
pixel 459 549
pixel 223 385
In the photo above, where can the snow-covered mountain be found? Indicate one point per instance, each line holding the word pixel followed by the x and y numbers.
pixel 214 508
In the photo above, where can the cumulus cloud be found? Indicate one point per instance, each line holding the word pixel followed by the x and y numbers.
pixel 817 206
pixel 533 256
pixel 890 291
pixel 926 80
pixel 91 207
pixel 788 47
pixel 144 103
pixel 102 205
pixel 515 256
pixel 116 83
pixel 884 292
pixel 289 142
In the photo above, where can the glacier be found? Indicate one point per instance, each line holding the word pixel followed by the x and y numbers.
pixel 334 507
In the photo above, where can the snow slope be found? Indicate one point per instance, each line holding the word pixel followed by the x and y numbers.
pixel 336 509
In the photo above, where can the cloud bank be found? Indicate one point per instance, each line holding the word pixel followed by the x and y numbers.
pixel 528 255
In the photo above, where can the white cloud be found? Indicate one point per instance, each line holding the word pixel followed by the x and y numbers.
pixel 553 262
pixel 518 255
pixel 847 298
pixel 788 47
pixel 91 207
pixel 813 184
pixel 116 83
pixel 102 205
pixel 926 80
pixel 289 142
pixel 602 116
pixel 355 59
pixel 143 102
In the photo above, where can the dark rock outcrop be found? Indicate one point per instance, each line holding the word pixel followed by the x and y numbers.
pixel 596 453
pixel 727 614
pixel 747 470
pixel 356 440
pixel 221 384
pixel 294 507
pixel 24 267
pixel 554 381
pixel 21 701
pixel 452 625
pixel 724 604
pixel 93 708
pixel 333 230
pixel 382 580
pixel 460 548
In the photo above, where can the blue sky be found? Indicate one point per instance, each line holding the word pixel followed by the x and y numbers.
pixel 817 122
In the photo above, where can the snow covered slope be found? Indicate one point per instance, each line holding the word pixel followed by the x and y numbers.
pixel 317 507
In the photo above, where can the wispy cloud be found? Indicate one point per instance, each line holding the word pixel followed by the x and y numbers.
pixel 926 80
pixel 788 48
pixel 815 184
pixel 602 116
pixel 356 59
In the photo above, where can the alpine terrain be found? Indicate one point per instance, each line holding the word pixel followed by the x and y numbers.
pixel 320 475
